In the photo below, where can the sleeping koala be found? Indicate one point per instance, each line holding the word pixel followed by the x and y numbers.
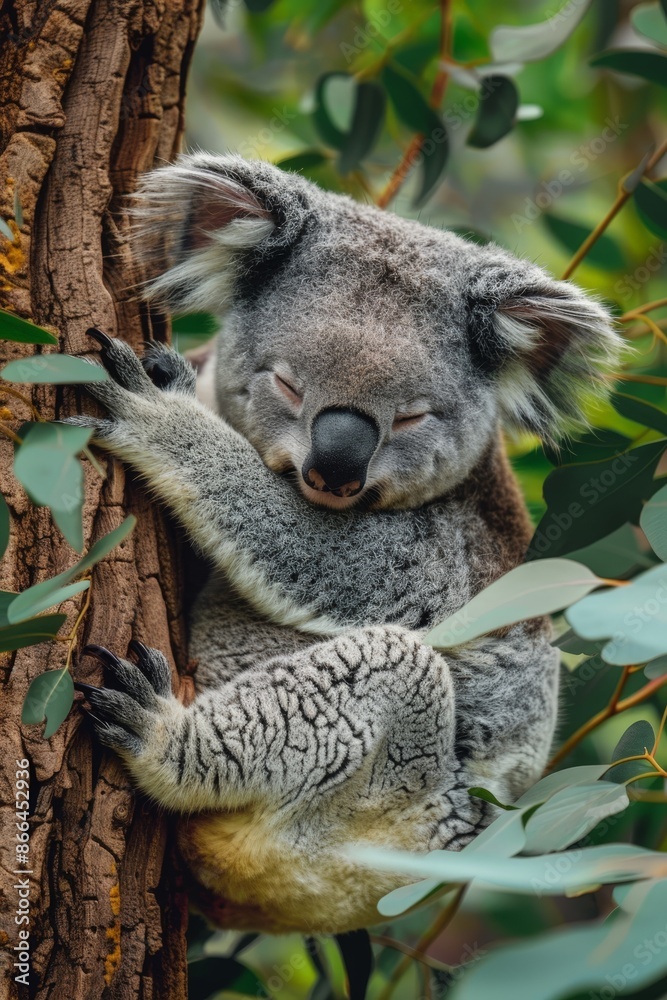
pixel 350 491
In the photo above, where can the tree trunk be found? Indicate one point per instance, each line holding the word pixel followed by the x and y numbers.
pixel 91 95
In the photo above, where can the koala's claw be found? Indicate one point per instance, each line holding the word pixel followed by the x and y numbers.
pixel 123 710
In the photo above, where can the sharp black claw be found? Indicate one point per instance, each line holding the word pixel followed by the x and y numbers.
pixel 103 339
pixel 86 688
pixel 105 656
pixel 138 648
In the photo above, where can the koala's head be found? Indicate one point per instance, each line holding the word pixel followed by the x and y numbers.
pixel 372 356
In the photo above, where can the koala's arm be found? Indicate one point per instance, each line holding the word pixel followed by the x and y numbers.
pixel 372 716
pixel 295 563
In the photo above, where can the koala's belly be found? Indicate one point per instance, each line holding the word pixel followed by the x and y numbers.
pixel 251 871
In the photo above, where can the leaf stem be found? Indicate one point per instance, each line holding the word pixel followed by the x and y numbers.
pixel 640 310
pixel 24 399
pixel 8 432
pixel 434 931
pixel 621 198
pixel 438 90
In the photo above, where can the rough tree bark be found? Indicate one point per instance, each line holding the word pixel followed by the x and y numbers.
pixel 91 95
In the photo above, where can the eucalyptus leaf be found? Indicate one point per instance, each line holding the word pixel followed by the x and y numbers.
pixel 55 369
pixel 366 125
pixel 47 466
pixel 589 501
pixel 651 201
pixel 30 632
pixel 651 66
pixel 4 525
pixel 570 814
pixel 634 741
pixel 656 668
pixel 550 874
pixel 649 20
pixel 303 161
pixel 487 796
pixel 605 253
pixel 20 330
pixel 414 111
pixel 340 85
pixel 50 696
pixel 635 615
pixel 529 591
pixel 590 959
pixel 496 113
pixel 653 522
pixel 49 589
pixel 614 556
pixel 554 783
pixel 6 598
pixel 640 411
pixel 528 43
pixel 50 600
pixel 570 642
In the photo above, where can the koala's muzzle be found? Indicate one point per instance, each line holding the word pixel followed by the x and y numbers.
pixel 342 445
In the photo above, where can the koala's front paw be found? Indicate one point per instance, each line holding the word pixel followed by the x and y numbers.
pixel 127 712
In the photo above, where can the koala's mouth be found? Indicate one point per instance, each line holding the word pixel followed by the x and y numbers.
pixel 327 498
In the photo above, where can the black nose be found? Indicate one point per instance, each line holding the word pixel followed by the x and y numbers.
pixel 343 442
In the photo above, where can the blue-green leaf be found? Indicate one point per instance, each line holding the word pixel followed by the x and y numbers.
pixel 49 589
pixel 572 813
pixel 651 201
pixel 649 19
pixel 496 113
pixel 635 615
pixel 50 697
pixel 529 591
pixel 30 632
pixel 527 43
pixel 653 522
pixel 53 368
pixel 634 741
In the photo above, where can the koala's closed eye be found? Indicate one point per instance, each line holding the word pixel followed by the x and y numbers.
pixel 287 388
pixel 404 420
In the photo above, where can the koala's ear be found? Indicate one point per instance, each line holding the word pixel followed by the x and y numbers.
pixel 545 344
pixel 204 222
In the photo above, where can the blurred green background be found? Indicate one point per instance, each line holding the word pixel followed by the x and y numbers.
pixel 256 82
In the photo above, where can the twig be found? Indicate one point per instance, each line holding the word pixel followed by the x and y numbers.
pixel 411 952
pixel 434 931
pixel 613 708
pixel 8 432
pixel 640 310
pixel 24 399
pixel 622 197
pixel 644 379
pixel 396 180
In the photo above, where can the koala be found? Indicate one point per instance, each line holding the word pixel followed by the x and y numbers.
pixel 350 489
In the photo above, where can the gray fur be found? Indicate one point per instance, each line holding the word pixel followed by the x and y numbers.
pixel 321 717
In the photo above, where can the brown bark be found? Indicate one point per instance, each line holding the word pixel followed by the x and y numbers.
pixel 91 95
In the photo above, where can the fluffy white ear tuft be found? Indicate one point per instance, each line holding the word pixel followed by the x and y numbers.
pixel 195 222
pixel 546 345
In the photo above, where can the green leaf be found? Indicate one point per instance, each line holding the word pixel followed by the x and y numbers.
pixel 656 668
pixel 554 783
pixel 653 522
pixel 484 793
pixel 6 598
pixel 6 231
pixel 530 42
pixel 20 330
pixel 50 588
pixel 651 201
pixel 589 959
pixel 589 501
pixel 529 591
pixel 50 697
pixel 4 525
pixel 258 6
pixel 551 874
pixel 414 111
pixel 334 93
pixel 651 66
pixel 635 615
pixel 605 252
pixel 366 126
pixel 649 20
pixel 50 600
pixel 30 632
pixel 640 411
pixel 572 813
pixel 634 741
pixel 570 642
pixel 498 103
pixel 614 556
pixel 54 369
pixel 307 160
